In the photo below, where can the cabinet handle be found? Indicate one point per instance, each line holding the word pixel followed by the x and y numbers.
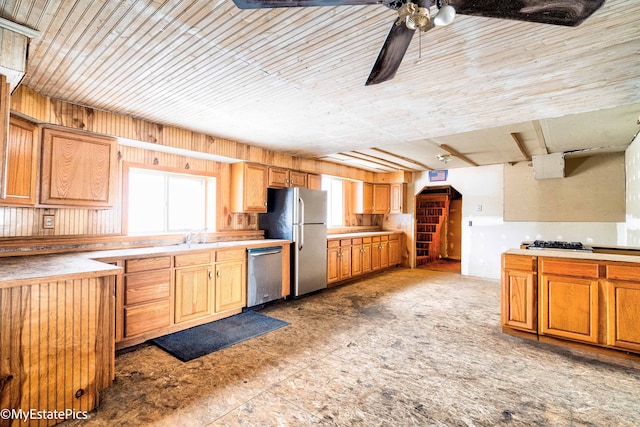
pixel 218 273
pixel 210 274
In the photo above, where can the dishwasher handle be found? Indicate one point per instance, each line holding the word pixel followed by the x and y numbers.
pixel 273 252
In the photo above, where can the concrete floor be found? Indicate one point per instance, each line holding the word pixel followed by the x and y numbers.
pixel 402 348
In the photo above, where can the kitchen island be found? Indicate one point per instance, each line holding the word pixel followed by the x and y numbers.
pixel 63 316
pixel 580 299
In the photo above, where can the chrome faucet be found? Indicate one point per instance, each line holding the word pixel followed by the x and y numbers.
pixel 190 237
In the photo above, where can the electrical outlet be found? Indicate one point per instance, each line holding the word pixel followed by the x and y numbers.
pixel 478 208
pixel 48 221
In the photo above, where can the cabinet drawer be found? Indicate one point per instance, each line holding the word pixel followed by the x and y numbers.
pixel 384 238
pixel 356 241
pixel 333 243
pixel 146 287
pixel 198 258
pixel 394 237
pixel 569 268
pixel 624 272
pixel 146 264
pixel 366 240
pixel 230 255
pixel 375 239
pixel 519 262
pixel 345 242
pixel 146 318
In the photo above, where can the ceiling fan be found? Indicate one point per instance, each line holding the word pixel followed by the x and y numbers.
pixel 415 15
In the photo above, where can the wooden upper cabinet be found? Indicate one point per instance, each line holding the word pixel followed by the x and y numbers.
pixel 21 163
pixel 397 198
pixel 78 169
pixel 381 198
pixel 297 179
pixel 248 187
pixel 278 177
pixel 282 178
pixel 314 182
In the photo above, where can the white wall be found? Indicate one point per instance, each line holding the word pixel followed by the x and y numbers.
pixel 489 235
pixel 632 174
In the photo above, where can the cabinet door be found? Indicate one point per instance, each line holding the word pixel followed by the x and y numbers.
pixel 314 182
pixel 249 187
pixel 78 169
pixel 397 198
pixel 231 285
pixel 395 256
pixel 381 194
pixel 519 300
pixel 297 179
pixel 21 162
pixel 356 260
pixel 375 256
pixel 569 307
pixel 345 262
pixel 384 254
pixel 366 257
pixel 333 264
pixel 278 177
pixel 193 296
pixel 367 198
pixel 623 307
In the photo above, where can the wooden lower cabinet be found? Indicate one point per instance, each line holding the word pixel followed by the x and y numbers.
pixel 594 304
pixel 395 254
pixel 144 297
pixel 623 306
pixel 194 293
pixel 231 281
pixel 569 308
pixel 519 286
pixel 568 301
pixel 348 258
pixel 164 294
pixel 339 260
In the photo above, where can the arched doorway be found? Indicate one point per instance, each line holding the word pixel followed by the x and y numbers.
pixel 438 230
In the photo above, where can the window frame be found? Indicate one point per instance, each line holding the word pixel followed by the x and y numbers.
pixel 213 218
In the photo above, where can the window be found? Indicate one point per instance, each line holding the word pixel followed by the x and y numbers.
pixel 165 202
pixel 335 209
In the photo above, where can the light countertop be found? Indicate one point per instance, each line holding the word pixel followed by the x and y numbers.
pixel 360 234
pixel 551 253
pixel 21 270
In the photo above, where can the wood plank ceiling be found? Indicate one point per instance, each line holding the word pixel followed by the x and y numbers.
pixel 292 79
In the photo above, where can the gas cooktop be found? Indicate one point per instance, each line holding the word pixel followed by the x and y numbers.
pixel 554 244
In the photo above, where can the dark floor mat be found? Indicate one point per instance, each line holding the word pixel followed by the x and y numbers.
pixel 204 339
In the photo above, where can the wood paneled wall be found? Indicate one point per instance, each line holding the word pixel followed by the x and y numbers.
pixel 61 330
pixel 57 112
pixel 26 221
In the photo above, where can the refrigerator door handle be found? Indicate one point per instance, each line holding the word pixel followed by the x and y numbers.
pixel 301 236
pixel 301 219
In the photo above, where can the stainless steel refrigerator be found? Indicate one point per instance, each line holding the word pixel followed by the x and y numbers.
pixel 300 215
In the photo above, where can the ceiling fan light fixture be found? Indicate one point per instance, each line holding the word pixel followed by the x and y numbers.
pixel 444 158
pixel 445 16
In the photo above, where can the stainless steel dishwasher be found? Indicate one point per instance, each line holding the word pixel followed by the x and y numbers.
pixel 264 271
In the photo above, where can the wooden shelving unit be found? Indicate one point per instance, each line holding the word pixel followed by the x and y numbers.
pixel 431 210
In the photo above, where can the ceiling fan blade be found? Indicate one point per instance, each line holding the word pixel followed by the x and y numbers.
pixel 557 12
pixel 391 54
pixel 266 4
